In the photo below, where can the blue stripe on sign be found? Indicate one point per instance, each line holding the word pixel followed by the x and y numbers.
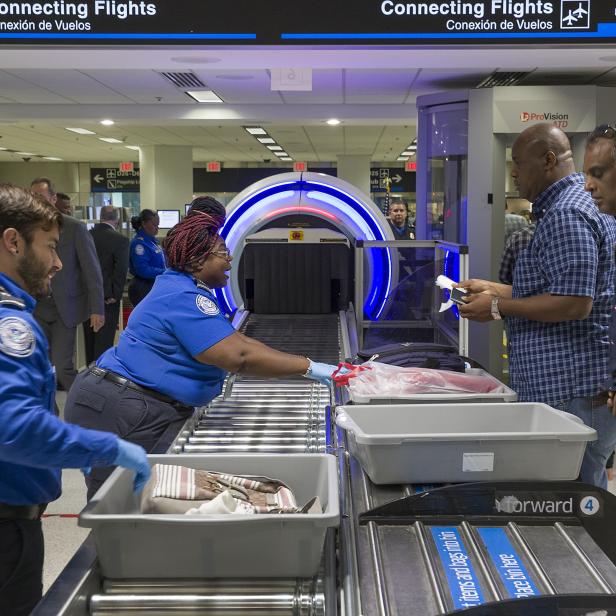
pixel 463 583
pixel 509 565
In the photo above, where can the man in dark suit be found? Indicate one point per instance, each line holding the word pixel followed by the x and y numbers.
pixel 112 251
pixel 76 292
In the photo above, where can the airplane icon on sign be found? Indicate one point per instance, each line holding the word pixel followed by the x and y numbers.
pixel 575 14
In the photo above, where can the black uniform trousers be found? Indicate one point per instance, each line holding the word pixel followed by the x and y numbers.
pixel 96 403
pixel 22 550
pixel 98 342
pixel 138 288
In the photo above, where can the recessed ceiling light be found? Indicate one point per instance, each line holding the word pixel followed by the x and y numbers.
pixel 281 153
pixel 82 131
pixel 107 122
pixel 4 149
pixel 274 147
pixel 402 158
pixel 407 153
pixel 333 121
pixel 285 158
pixel 265 140
pixel 204 96
pixel 132 147
pixel 110 140
pixel 255 130
pixel 235 77
pixel 52 158
pixel 195 60
pixel 25 153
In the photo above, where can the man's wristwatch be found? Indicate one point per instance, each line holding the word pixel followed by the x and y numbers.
pixel 496 315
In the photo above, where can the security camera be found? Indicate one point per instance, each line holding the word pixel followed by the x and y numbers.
pixel 267 160
pixel 26 159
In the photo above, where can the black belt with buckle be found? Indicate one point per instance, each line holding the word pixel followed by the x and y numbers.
pixel 120 380
pixel 21 512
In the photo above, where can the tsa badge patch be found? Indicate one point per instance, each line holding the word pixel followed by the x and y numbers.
pixel 139 250
pixel 207 306
pixel 16 337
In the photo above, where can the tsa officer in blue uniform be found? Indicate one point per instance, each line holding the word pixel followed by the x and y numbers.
pixel 147 259
pixel 178 346
pixel 34 444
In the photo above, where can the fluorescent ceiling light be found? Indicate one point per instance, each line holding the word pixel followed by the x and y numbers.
pixel 255 130
pixel 81 131
pixel 281 153
pixel 132 147
pixel 265 140
pixel 274 147
pixel 402 158
pixel 333 121
pixel 286 158
pixel 52 158
pixel 25 153
pixel 204 96
pixel 4 149
pixel 110 140
pixel 407 153
pixel 107 122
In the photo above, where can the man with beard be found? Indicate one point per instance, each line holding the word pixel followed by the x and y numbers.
pixel 34 444
pixel 77 291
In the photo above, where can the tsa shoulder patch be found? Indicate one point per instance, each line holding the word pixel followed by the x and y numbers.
pixel 207 306
pixel 139 249
pixel 16 337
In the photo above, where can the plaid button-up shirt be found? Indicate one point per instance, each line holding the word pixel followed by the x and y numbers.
pixel 571 253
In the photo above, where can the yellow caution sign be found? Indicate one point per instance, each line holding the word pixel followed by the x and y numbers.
pixel 297 235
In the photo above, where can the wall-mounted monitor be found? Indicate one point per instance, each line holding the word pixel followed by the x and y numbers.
pixel 168 218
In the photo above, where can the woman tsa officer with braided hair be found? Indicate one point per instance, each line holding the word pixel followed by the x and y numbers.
pixel 177 348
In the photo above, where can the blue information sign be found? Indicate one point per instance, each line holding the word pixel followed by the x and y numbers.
pixel 461 578
pixel 511 570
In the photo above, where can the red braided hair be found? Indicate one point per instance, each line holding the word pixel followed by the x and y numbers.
pixel 191 241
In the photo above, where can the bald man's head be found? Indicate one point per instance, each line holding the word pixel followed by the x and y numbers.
pixel 541 156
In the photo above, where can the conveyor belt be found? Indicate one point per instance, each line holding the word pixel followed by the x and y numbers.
pixel 259 415
pixel 270 415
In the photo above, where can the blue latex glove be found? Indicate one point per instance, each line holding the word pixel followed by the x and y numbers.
pixel 134 457
pixel 320 372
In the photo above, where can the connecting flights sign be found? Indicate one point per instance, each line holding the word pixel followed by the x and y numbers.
pixel 326 22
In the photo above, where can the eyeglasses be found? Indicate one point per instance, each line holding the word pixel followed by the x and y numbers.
pixel 604 130
pixel 225 253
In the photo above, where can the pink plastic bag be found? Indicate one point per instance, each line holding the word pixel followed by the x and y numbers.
pixel 376 379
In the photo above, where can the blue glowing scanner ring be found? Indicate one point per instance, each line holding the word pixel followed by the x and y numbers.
pixel 355 213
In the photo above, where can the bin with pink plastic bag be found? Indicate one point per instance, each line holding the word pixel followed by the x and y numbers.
pixel 378 383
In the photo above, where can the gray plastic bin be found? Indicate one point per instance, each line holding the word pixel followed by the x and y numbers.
pixel 464 442
pixel 135 545
pixel 505 394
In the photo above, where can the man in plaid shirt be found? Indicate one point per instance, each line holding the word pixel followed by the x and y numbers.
pixel 559 307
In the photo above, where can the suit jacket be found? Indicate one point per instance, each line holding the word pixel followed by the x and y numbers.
pixel 77 289
pixel 112 251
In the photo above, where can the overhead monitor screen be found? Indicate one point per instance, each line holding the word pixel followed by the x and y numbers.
pixel 168 218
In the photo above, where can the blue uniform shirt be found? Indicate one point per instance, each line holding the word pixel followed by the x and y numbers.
pixel 178 319
pixel 147 259
pixel 571 253
pixel 34 443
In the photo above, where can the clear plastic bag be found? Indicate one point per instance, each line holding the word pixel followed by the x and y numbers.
pixel 377 379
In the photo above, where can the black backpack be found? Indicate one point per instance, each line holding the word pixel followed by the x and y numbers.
pixel 414 355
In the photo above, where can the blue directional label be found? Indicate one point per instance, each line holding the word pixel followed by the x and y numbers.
pixel 461 578
pixel 511 570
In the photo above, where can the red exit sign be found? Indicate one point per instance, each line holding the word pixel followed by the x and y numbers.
pixel 127 167
pixel 410 166
pixel 300 166
pixel 212 167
